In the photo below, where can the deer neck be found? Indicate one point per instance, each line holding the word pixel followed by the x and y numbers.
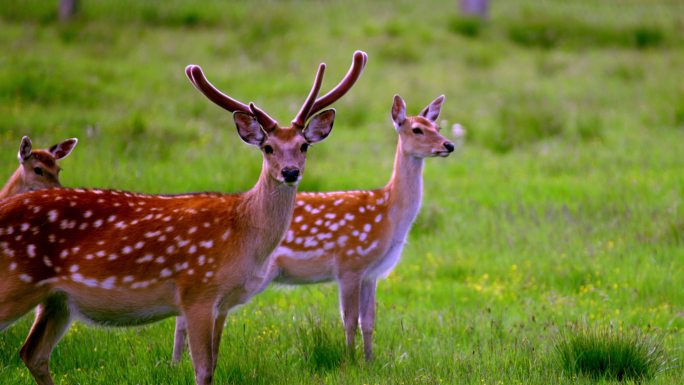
pixel 268 208
pixel 13 185
pixel 405 191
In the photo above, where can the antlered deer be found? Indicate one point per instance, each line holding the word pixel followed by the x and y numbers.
pixel 356 237
pixel 120 258
pixel 38 169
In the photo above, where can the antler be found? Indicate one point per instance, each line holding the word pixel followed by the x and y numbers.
pixel 305 111
pixel 197 78
pixel 268 123
pixel 358 63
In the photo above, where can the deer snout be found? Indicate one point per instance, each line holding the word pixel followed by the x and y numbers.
pixel 449 146
pixel 290 174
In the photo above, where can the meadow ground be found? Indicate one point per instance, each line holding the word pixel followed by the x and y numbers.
pixel 562 211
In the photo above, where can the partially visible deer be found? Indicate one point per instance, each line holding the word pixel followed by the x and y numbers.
pixel 119 258
pixel 356 237
pixel 38 169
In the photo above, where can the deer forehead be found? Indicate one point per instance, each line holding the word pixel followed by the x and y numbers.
pixel 286 138
pixel 421 122
pixel 44 157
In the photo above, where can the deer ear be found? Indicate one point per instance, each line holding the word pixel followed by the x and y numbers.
pixel 248 128
pixel 61 150
pixel 398 111
pixel 319 126
pixel 24 149
pixel 431 112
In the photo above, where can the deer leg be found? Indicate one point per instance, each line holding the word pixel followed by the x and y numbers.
pixel 349 306
pixel 367 311
pixel 52 320
pixel 200 325
pixel 179 339
pixel 218 331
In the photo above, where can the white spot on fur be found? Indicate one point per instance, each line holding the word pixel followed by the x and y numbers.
pixel 338 202
pixel 87 214
pixel 97 223
pixel 367 227
pixel 378 218
pixel 25 278
pixel 13 266
pixel 207 244
pixel 192 229
pixel 165 273
pixel 25 226
pixel 108 283
pixel 52 215
pixel 145 258
pixel 298 219
pixel 31 250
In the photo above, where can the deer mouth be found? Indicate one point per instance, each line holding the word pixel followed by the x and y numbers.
pixel 441 154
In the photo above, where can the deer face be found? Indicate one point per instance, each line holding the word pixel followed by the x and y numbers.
pixel 419 135
pixel 40 168
pixel 284 148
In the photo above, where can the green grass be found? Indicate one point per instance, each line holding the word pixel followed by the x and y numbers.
pixel 564 205
pixel 610 354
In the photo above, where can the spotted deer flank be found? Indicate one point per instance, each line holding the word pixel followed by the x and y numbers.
pixel 120 258
pixel 38 169
pixel 356 237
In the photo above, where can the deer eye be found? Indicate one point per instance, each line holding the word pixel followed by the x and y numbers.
pixel 268 149
pixel 417 131
pixel 38 171
pixel 304 147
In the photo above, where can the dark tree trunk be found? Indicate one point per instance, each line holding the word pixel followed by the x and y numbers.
pixel 478 8
pixel 67 9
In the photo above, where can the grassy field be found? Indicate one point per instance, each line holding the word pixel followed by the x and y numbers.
pixel 562 211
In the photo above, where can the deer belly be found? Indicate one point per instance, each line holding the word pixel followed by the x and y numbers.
pixel 123 307
pixel 295 271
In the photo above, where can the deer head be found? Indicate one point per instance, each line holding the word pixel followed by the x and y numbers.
pixel 38 169
pixel 283 148
pixel 419 135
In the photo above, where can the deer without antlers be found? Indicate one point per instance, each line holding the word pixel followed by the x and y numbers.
pixel 38 169
pixel 120 258
pixel 356 237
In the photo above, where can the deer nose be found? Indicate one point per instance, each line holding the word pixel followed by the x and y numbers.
pixel 290 174
pixel 449 146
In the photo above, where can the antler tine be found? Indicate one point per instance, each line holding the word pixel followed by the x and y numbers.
pixel 268 123
pixel 196 76
pixel 358 64
pixel 304 112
